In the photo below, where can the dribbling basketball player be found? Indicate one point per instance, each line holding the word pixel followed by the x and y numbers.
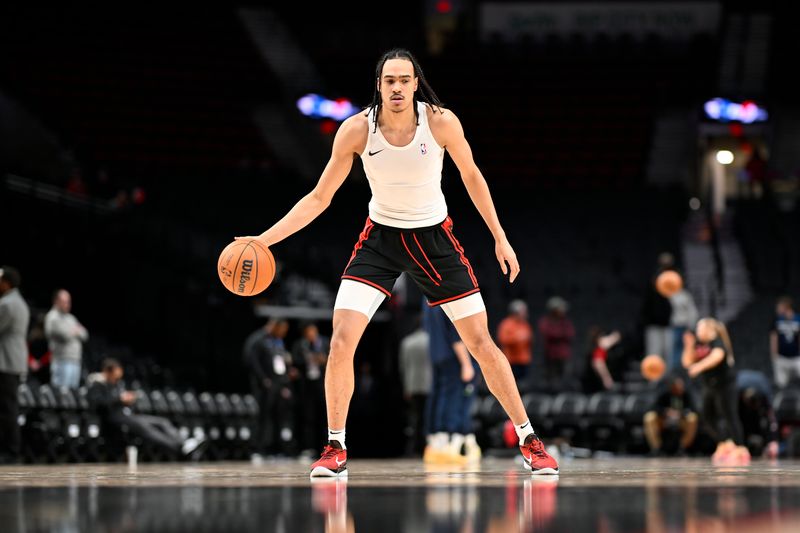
pixel 401 139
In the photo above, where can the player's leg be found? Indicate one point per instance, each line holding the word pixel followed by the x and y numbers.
pixel 439 266
pixel 689 425
pixel 355 304
pixel 348 327
pixel 474 332
pixel 652 430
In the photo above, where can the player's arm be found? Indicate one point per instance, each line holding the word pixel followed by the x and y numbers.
pixel 350 139
pixel 714 358
pixel 448 133
pixel 601 368
pixel 688 356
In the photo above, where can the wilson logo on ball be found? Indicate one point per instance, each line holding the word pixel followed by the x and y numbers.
pixel 247 267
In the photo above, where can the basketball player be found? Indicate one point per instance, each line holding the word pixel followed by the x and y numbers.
pixel 708 354
pixel 401 139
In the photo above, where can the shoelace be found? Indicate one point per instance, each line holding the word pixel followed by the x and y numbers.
pixel 328 452
pixel 536 447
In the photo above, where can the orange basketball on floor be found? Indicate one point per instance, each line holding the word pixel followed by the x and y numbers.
pixel 668 283
pixel 653 367
pixel 246 267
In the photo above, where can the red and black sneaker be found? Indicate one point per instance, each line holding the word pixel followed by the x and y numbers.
pixel 536 458
pixel 332 462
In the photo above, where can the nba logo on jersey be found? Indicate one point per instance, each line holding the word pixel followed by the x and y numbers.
pixel 423 148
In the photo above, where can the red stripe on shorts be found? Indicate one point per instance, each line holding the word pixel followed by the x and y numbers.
pixel 363 237
pixel 446 226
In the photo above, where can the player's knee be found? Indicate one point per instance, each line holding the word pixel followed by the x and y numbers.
pixel 650 417
pixel 691 418
pixel 342 347
pixel 481 347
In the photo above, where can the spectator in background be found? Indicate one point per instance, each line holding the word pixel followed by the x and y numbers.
pixel 269 364
pixel 784 342
pixel 415 372
pixel 759 423
pixel 756 171
pixel 657 314
pixel 557 334
pixel 38 352
pixel 515 336
pixel 683 318
pixel 310 355
pixel 14 319
pixel 66 337
pixel 452 393
pixel 596 375
pixel 114 406
pixel 708 355
pixel 671 425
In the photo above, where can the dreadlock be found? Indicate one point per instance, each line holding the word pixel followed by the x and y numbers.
pixel 424 92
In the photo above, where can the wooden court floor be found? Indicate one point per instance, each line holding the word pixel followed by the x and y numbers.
pixel 617 494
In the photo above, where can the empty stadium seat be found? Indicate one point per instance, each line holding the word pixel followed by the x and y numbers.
pixel 211 420
pixel 194 415
pixel 241 444
pixel 90 424
pixel 605 424
pixel 178 413
pixel 787 407
pixel 143 404
pixel 228 425
pixel 71 425
pixel 538 407
pixel 567 414
pixel 161 406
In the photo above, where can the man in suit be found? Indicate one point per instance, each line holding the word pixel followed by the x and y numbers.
pixel 14 318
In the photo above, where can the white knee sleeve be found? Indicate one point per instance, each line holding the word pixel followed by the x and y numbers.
pixel 464 307
pixel 359 297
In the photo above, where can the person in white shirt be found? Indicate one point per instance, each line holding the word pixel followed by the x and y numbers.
pixel 65 336
pixel 401 139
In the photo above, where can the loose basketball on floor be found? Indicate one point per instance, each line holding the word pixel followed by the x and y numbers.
pixel 246 267
pixel 668 283
pixel 653 367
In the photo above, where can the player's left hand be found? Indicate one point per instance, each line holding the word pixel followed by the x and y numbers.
pixel 694 371
pixel 505 254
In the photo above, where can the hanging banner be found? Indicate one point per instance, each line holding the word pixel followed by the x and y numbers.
pixel 670 20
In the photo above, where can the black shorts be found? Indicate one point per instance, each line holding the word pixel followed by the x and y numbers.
pixel 432 256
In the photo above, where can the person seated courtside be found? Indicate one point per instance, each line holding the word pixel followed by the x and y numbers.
pixel 671 425
pixel 114 405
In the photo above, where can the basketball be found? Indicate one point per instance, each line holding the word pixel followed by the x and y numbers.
pixel 246 267
pixel 653 367
pixel 668 283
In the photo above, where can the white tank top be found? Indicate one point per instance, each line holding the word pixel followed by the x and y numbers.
pixel 406 181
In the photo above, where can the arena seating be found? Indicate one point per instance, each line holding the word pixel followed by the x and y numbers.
pixel 60 426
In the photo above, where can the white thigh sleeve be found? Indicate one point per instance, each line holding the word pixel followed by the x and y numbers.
pixel 358 297
pixel 458 309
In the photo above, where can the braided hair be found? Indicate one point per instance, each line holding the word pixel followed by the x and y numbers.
pixel 424 92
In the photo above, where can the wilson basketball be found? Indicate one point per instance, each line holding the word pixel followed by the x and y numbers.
pixel 653 367
pixel 668 283
pixel 246 267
